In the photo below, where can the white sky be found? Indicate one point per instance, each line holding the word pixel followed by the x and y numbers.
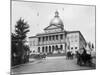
pixel 74 17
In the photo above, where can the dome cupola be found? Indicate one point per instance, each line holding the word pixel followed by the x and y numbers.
pixel 56 20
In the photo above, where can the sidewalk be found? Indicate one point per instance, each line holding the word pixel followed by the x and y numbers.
pixel 30 61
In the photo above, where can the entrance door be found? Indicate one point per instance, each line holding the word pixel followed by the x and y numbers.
pixel 52 48
pixel 49 49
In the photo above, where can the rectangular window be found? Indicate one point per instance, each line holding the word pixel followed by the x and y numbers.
pixel 56 37
pixel 72 48
pixel 43 39
pixel 61 36
pixel 46 38
pixel 75 40
pixel 39 39
pixel 75 47
pixel 53 37
pixel 50 38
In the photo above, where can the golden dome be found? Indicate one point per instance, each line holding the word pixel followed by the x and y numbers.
pixel 56 20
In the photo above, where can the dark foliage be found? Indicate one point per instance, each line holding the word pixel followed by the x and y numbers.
pixel 84 58
pixel 19 51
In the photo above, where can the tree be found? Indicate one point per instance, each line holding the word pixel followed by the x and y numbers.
pixel 13 50
pixel 21 29
pixel 19 40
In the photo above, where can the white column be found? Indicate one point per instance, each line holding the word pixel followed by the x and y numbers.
pixel 41 49
pixel 44 49
pixel 59 37
pixel 51 48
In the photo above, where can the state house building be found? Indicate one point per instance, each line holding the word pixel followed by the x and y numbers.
pixel 55 39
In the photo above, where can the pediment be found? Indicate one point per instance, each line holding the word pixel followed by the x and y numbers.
pixel 52 27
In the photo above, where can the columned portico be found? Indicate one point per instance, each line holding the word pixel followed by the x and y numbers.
pixel 52 48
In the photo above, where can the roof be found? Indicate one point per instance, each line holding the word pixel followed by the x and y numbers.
pixel 32 37
pixel 56 27
pixel 50 33
pixel 43 34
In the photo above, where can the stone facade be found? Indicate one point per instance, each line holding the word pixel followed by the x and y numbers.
pixel 56 40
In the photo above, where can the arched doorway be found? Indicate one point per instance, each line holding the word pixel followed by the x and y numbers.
pixel 56 47
pixel 53 48
pixel 46 49
pixel 61 47
pixel 42 49
pixel 49 49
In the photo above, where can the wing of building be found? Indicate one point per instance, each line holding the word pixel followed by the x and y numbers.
pixel 56 40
